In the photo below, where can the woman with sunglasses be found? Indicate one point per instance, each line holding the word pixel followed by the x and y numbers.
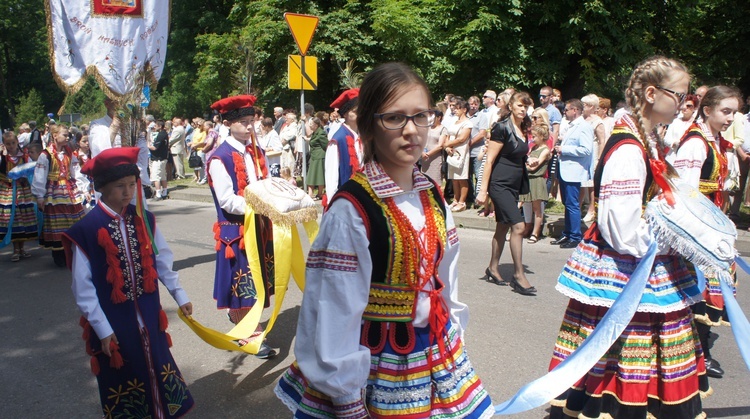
pixel 381 280
pixel 681 123
pixel 701 162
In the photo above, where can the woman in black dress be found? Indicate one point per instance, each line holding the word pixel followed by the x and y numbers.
pixel 505 176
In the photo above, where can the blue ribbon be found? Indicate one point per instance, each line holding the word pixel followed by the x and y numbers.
pixel 609 329
pixel 740 325
pixel 700 279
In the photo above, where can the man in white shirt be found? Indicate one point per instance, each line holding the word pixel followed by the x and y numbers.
pixel 102 135
pixel 177 147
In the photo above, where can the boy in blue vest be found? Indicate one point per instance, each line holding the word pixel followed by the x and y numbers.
pixel 117 254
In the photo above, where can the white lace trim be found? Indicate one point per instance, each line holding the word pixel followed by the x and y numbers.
pixel 286 399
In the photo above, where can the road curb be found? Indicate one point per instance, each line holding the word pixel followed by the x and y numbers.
pixel 553 223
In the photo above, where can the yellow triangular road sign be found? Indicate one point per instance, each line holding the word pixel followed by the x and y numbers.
pixel 303 28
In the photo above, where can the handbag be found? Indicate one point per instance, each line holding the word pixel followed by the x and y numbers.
pixel 456 160
pixel 194 161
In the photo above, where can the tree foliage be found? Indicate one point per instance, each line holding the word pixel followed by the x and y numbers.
pixel 30 108
pixel 223 47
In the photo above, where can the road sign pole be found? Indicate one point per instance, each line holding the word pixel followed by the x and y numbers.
pixel 304 132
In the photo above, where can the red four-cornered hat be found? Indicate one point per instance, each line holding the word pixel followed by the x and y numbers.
pixel 345 97
pixel 109 159
pixel 235 107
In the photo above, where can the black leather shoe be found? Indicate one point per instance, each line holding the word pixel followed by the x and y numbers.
pixel 570 244
pixel 493 279
pixel 713 370
pixel 530 291
pixel 561 240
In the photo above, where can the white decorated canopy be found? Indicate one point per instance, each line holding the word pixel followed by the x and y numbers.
pixel 117 42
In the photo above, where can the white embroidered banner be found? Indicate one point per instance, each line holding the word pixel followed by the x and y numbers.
pixel 115 41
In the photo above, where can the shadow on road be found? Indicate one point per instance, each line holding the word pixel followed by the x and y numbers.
pixel 193 261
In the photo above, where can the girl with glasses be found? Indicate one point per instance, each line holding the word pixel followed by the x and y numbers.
pixel 655 368
pixel 381 280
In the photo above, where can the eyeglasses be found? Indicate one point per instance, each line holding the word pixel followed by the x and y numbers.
pixel 680 96
pixel 398 120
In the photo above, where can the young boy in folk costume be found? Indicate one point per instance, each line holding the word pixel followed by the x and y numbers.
pixel 117 255
pixel 235 163
pixel 57 187
pixel 24 226
pixel 381 281
pixel 344 151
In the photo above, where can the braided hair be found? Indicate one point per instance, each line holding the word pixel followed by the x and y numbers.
pixel 651 72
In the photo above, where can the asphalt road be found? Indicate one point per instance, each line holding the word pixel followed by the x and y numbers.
pixel 44 371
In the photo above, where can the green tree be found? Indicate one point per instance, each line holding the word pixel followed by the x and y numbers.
pixel 24 59
pixel 30 108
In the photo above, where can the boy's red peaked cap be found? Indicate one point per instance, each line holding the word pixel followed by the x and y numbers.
pixel 234 107
pixel 345 97
pixel 110 158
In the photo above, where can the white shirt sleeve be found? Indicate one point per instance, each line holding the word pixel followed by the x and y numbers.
pixel 39 183
pixel 84 293
pixel 459 312
pixel 82 182
pixel 331 168
pixel 222 184
pixel 688 161
pixel 328 329
pixel 167 276
pixel 620 202
pixel 99 139
pixel 274 141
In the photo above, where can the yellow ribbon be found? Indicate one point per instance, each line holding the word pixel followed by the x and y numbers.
pixel 288 259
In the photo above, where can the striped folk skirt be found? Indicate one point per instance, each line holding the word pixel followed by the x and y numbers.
pixel 403 386
pixel 655 369
pixel 24 226
pixel 62 209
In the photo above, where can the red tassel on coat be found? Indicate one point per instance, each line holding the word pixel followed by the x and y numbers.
pixel 217 236
pixel 163 321
pixel 229 253
pixel 115 361
pixel 86 333
pixel 169 339
pixel 114 270
pixel 94 365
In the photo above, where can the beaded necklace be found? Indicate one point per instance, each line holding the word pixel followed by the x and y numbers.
pixel 422 255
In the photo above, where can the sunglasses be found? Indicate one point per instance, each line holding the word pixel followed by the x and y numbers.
pixel 680 96
pixel 543 96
